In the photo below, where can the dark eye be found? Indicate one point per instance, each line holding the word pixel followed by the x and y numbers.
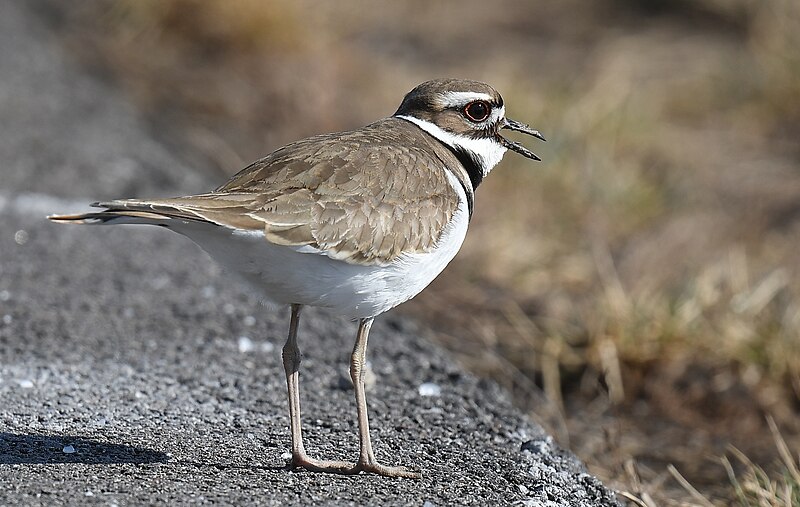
pixel 477 111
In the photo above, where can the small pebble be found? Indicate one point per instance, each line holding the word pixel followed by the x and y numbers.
pixel 21 237
pixel 25 383
pixel 249 321
pixel 535 447
pixel 68 449
pixel 245 344
pixel 5 295
pixel 7 319
pixel 229 309
pixel 429 389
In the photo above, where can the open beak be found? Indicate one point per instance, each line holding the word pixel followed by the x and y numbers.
pixel 513 146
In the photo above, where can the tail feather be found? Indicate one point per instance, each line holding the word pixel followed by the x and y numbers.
pixel 103 217
pixel 129 211
pixel 230 210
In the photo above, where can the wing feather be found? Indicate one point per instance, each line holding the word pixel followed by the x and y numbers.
pixel 365 197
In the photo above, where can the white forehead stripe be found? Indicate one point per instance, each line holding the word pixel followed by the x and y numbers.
pixel 487 151
pixel 458 99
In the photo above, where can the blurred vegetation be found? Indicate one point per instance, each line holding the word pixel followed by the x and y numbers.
pixel 644 276
pixel 757 488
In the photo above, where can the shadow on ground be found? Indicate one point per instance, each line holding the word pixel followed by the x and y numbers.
pixel 16 449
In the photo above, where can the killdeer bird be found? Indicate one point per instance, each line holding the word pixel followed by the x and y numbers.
pixel 356 222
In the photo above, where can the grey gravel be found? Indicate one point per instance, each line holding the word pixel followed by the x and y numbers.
pixel 133 372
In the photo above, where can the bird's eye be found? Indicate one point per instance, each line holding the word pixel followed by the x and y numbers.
pixel 477 111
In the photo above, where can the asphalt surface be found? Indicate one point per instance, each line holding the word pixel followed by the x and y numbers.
pixel 132 371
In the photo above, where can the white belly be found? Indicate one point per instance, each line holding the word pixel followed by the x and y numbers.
pixel 288 275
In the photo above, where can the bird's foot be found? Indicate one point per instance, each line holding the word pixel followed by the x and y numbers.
pixel 321 465
pixel 343 467
pixel 387 471
pixel 302 460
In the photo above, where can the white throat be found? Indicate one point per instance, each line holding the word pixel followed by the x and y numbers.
pixel 487 152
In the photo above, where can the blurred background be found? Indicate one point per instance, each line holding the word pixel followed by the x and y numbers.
pixel 638 291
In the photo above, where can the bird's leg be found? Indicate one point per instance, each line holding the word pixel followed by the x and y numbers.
pixel 366 460
pixel 291 365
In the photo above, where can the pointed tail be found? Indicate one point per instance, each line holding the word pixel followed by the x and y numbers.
pixel 129 211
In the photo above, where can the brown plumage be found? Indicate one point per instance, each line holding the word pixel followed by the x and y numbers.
pixel 332 192
pixel 388 206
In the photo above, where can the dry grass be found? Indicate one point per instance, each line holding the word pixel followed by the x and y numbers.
pixel 757 488
pixel 639 291
pixel 753 486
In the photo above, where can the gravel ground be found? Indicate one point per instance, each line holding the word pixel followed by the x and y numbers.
pixel 132 371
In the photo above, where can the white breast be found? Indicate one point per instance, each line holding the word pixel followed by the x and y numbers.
pixel 288 275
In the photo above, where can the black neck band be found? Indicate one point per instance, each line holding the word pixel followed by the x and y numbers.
pixel 474 171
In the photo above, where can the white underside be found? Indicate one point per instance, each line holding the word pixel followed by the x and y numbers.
pixel 289 275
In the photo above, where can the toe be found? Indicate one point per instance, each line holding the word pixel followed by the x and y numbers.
pixel 318 465
pixel 387 471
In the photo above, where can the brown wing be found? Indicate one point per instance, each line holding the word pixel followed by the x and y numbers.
pixel 365 196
